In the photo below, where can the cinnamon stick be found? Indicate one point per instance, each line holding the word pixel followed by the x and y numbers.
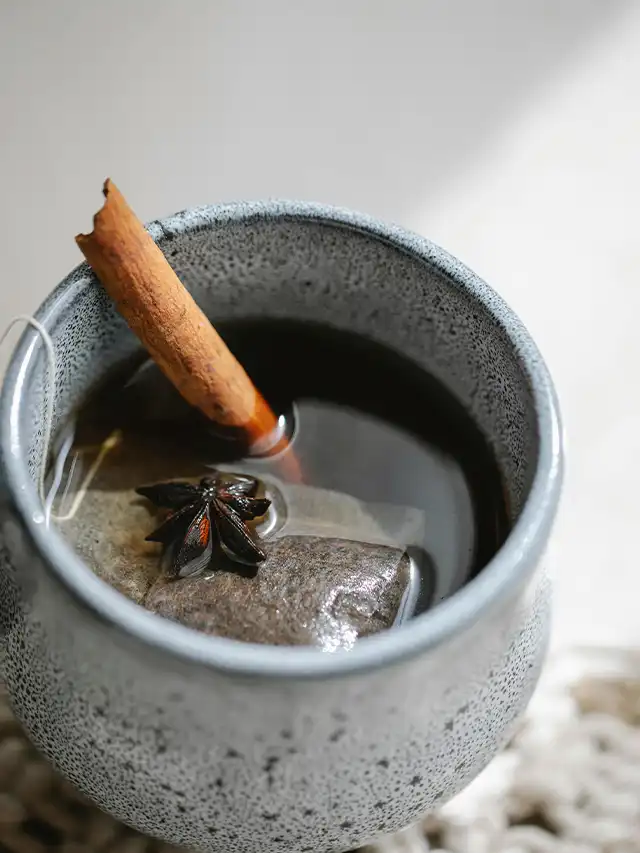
pixel 171 326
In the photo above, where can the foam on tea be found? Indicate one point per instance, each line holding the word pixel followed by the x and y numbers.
pixel 402 501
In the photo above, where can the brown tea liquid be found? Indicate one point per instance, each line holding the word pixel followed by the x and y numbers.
pixel 368 426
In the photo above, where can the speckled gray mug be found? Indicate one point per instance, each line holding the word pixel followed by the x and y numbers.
pixel 223 746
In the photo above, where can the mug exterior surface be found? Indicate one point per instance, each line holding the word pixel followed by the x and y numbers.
pixel 224 746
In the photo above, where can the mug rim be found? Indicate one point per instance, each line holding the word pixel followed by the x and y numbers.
pixel 508 568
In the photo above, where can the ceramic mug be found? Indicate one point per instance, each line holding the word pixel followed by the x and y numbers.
pixel 224 746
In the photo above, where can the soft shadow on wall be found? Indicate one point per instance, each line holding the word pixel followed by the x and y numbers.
pixel 370 104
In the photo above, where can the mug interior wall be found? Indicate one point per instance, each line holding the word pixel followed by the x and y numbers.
pixel 344 277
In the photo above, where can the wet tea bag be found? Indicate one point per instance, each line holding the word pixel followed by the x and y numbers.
pixel 332 574
pixel 337 568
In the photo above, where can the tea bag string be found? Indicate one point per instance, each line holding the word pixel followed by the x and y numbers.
pixel 47 498
pixel 108 444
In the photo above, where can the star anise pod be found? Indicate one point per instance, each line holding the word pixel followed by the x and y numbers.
pixel 214 510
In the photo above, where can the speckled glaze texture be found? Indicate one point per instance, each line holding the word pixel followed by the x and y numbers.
pixel 225 746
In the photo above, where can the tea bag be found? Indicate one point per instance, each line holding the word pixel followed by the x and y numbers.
pixel 333 573
pixel 334 570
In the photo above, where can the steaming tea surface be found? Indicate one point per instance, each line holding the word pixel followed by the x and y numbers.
pixel 396 473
